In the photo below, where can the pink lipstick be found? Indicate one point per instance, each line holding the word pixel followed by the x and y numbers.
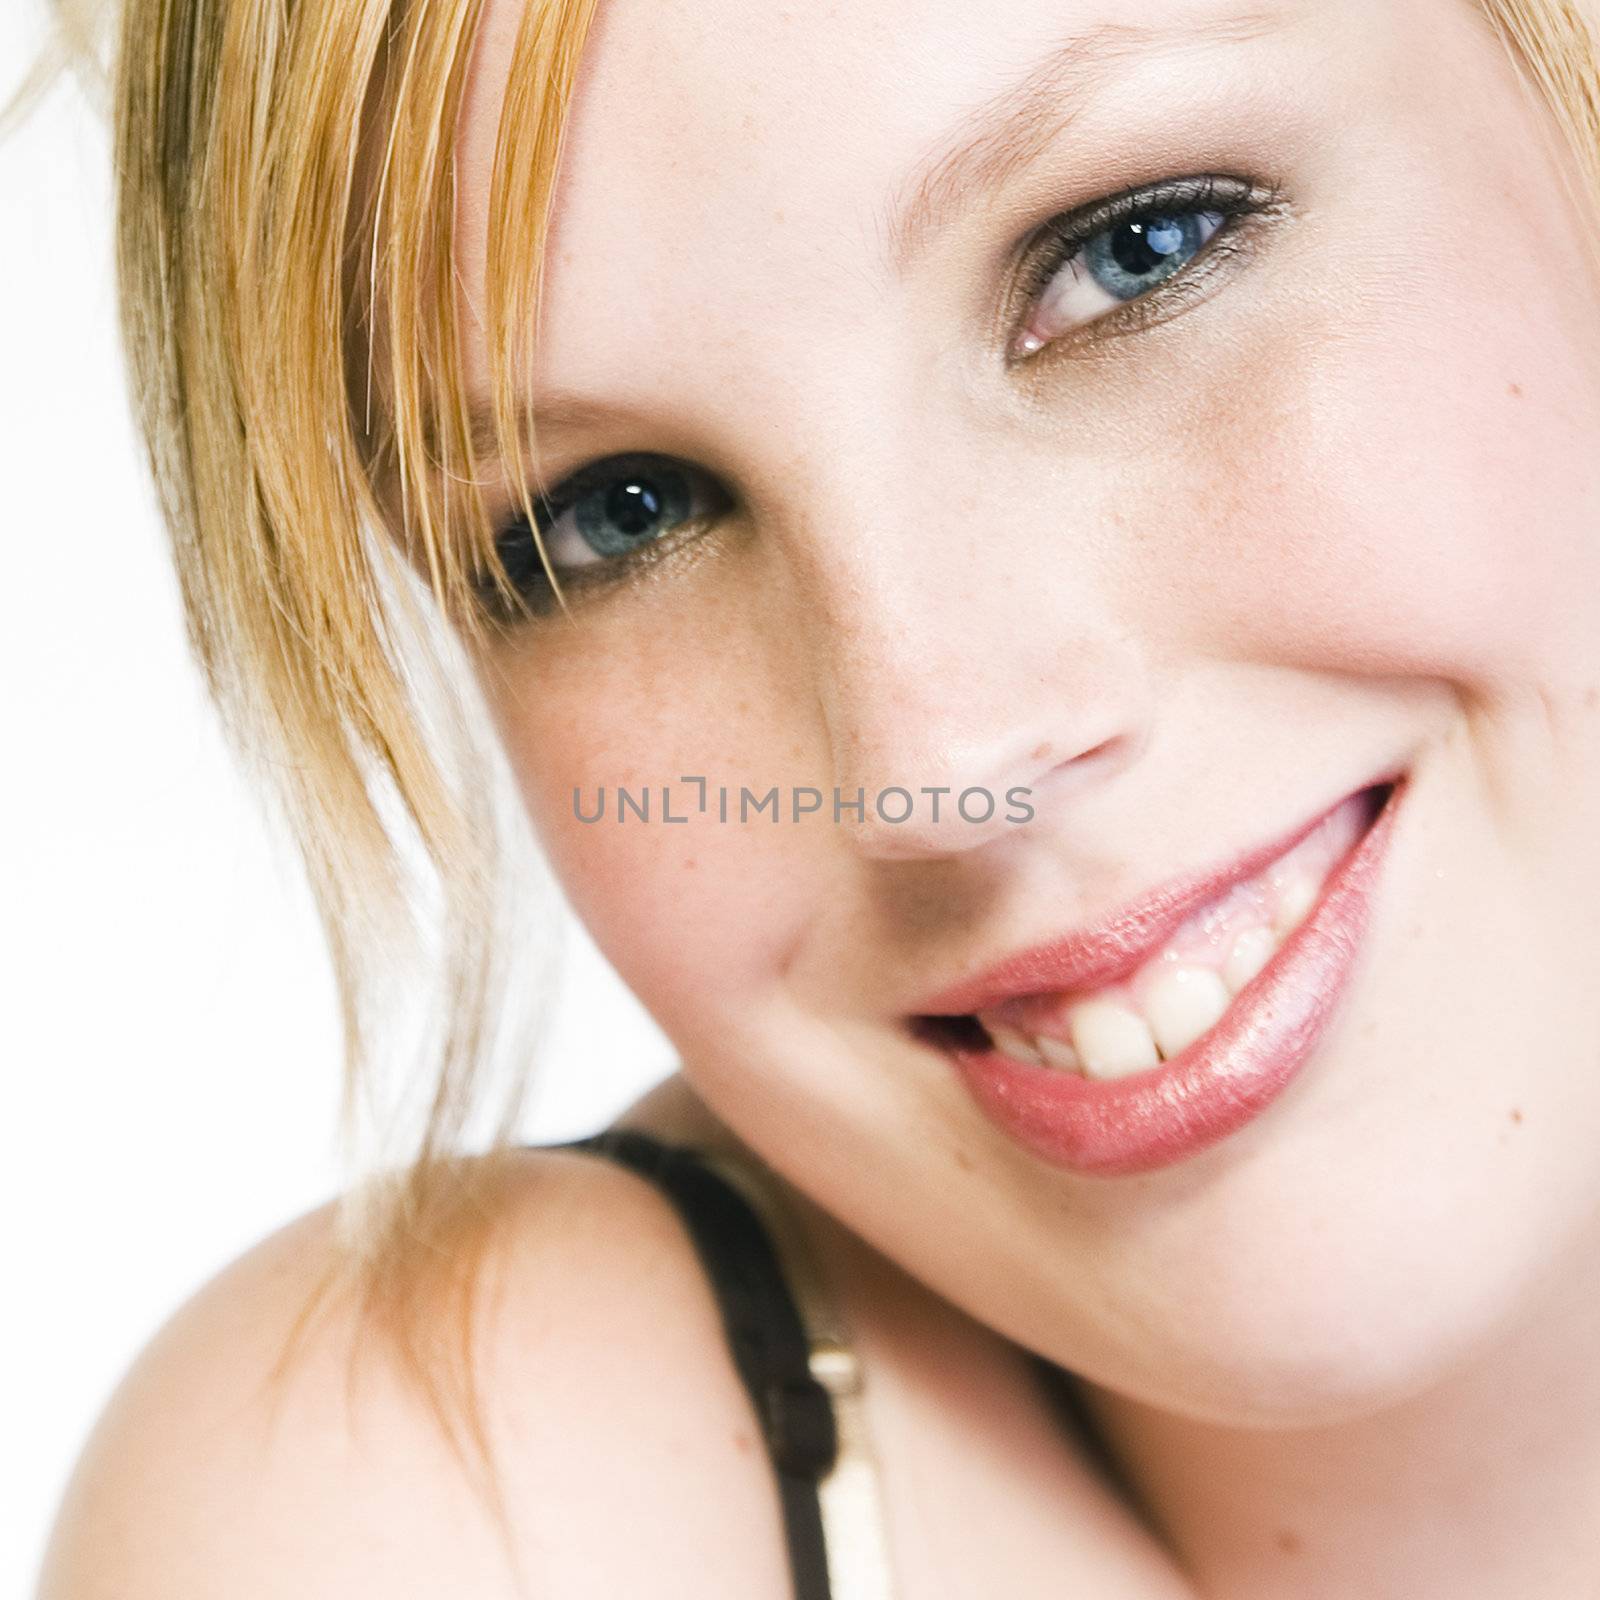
pixel 1153 1118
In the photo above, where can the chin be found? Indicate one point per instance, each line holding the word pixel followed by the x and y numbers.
pixel 1300 1293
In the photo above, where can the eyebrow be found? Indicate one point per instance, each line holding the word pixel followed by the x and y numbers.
pixel 1010 130
pixel 557 414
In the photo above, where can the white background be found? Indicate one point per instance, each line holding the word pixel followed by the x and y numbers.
pixel 167 1034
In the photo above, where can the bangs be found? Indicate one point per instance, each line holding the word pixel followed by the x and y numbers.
pixel 422 446
pixel 288 276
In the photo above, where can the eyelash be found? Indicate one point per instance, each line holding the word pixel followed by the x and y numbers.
pixel 1057 242
pixel 1044 254
pixel 518 551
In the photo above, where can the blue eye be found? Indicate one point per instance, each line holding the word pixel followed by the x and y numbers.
pixel 1114 265
pixel 617 507
pixel 1133 257
pixel 601 517
pixel 1086 264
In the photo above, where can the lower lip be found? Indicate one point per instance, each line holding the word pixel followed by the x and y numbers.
pixel 1226 1078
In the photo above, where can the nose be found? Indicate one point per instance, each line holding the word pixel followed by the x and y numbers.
pixel 960 709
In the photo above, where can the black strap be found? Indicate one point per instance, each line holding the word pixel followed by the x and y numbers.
pixel 765 1334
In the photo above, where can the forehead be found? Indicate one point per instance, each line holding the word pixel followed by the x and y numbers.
pixel 735 165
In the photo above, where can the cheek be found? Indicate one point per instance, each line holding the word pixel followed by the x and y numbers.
pixel 697 911
pixel 1400 477
pixel 1419 510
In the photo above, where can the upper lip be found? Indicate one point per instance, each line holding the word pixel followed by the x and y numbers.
pixel 1099 953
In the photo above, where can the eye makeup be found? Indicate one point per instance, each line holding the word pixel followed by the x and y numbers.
pixel 1147 251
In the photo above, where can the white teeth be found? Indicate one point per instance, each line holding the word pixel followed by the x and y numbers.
pixel 1059 1054
pixel 1134 1025
pixel 1016 1045
pixel 1181 1004
pixel 1295 899
pixel 1111 1040
pixel 1251 951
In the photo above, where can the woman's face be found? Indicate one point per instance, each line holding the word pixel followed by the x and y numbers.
pixel 1192 527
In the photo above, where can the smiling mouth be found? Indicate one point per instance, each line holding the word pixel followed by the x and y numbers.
pixel 1180 991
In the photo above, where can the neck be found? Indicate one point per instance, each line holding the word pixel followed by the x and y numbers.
pixel 1487 1484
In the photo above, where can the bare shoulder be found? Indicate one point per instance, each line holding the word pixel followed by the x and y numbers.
pixel 626 1457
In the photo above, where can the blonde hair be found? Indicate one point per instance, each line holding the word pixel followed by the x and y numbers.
pixel 287 273
pixel 1555 44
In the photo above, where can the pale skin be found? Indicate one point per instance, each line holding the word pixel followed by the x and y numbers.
pixel 1189 583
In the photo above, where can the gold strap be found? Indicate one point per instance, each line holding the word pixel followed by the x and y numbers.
pixel 850 1494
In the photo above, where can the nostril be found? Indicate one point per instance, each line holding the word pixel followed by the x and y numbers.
pixel 1094 763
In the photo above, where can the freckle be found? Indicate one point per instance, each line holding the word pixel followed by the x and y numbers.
pixel 690 864
pixel 1041 752
pixel 1514 390
pixel 1289 1541
pixel 964 1161
pixel 1516 1114
pixel 743 1443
